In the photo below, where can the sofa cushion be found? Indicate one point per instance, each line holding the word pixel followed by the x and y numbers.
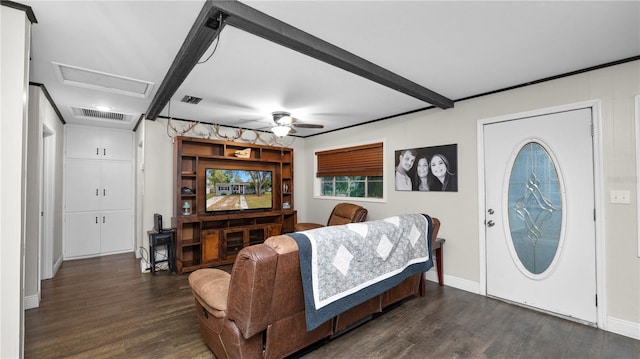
pixel 211 288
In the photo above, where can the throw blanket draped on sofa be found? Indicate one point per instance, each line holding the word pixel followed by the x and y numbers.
pixel 343 266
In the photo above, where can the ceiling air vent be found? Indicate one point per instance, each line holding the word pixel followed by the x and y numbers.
pixel 88 113
pixel 76 76
pixel 191 99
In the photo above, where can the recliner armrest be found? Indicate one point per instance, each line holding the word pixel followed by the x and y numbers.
pixel 211 288
pixel 306 226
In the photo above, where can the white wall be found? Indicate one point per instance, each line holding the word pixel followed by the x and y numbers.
pixel 32 234
pixel 15 32
pixel 157 177
pixel 41 113
pixel 615 87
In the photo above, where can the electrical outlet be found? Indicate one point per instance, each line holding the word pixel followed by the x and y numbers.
pixel 620 196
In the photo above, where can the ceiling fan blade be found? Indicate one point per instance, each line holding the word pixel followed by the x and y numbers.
pixel 307 125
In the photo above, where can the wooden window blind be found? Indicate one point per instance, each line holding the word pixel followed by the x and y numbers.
pixel 364 160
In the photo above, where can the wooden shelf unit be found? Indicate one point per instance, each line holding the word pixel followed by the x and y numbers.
pixel 208 240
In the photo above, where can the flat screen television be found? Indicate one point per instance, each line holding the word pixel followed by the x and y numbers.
pixel 228 190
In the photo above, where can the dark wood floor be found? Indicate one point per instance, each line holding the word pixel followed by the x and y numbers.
pixel 105 308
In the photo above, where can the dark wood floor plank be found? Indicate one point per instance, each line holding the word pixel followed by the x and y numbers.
pixel 105 308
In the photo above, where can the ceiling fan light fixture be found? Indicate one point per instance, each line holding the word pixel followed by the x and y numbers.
pixel 280 130
pixel 285 120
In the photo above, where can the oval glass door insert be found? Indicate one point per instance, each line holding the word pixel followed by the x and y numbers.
pixel 535 208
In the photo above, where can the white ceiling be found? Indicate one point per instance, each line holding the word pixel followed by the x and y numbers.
pixel 457 49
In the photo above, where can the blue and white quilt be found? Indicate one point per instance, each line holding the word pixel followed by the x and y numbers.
pixel 343 266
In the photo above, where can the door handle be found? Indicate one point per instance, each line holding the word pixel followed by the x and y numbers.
pixel 491 223
pixel 491 211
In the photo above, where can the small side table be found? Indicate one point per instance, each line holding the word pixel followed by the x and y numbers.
pixel 157 239
pixel 437 249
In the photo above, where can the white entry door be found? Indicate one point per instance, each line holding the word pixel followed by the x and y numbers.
pixel 540 226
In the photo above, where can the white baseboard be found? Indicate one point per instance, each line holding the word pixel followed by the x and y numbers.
pixel 57 265
pixel 144 267
pixel 623 327
pixel 31 301
pixel 451 281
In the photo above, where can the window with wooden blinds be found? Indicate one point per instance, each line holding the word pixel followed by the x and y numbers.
pixel 364 160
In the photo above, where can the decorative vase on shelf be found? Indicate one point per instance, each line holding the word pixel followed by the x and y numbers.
pixel 186 209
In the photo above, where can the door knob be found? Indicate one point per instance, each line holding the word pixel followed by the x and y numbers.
pixel 491 223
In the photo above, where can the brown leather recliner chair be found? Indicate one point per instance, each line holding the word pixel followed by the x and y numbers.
pixel 342 213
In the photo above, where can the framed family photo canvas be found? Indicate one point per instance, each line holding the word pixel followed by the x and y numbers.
pixel 427 169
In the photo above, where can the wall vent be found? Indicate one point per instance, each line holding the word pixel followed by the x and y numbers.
pixel 88 113
pixel 76 76
pixel 191 99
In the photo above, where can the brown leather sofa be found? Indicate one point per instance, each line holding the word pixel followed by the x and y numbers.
pixel 258 310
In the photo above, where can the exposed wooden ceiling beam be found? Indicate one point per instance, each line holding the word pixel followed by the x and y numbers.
pixel 202 34
pixel 208 25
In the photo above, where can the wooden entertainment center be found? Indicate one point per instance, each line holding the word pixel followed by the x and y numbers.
pixel 205 239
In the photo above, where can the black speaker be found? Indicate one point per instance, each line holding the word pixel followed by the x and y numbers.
pixel 157 222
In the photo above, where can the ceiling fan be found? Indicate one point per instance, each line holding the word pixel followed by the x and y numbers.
pixel 284 123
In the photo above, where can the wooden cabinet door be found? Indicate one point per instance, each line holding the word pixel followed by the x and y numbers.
pixel 274 230
pixel 116 231
pixel 210 245
pixel 82 186
pixel 82 234
pixel 233 241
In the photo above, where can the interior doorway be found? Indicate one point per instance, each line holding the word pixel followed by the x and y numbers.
pixel 47 185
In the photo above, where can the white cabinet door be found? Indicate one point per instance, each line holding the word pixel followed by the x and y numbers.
pixel 83 190
pixel 117 145
pixel 82 234
pixel 98 191
pixel 116 231
pixel 83 142
pixel 116 191
pixel 94 142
